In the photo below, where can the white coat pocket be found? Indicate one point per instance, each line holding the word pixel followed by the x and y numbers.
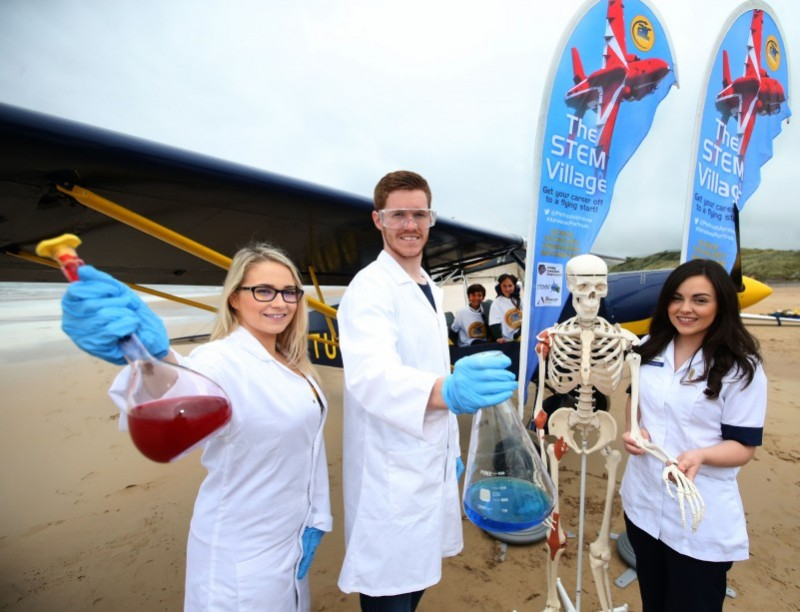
pixel 415 478
pixel 265 582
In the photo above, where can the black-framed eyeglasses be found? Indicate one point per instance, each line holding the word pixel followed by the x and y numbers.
pixel 265 293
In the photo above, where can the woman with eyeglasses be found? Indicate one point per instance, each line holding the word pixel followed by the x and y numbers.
pixel 264 504
pixel 703 398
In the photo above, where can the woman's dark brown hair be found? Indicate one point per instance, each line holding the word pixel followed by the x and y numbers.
pixel 727 343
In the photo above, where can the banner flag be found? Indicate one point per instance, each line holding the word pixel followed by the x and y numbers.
pixel 611 70
pixel 741 112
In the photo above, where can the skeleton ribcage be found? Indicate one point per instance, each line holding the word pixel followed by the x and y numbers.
pixel 606 357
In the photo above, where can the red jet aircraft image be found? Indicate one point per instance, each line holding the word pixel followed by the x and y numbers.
pixel 623 77
pixel 754 93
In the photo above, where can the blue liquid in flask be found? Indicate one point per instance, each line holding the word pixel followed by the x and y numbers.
pixel 506 504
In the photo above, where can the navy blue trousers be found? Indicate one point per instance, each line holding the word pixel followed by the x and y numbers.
pixel 672 582
pixel 407 602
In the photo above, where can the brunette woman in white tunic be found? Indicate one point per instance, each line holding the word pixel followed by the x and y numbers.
pixel 703 398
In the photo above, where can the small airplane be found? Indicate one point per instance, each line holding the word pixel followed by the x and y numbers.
pixel 754 93
pixel 184 213
pixel 623 77
pixel 147 213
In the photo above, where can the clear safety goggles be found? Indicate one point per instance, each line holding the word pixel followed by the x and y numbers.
pixel 397 218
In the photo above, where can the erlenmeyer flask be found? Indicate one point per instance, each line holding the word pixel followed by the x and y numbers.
pixel 171 409
pixel 507 487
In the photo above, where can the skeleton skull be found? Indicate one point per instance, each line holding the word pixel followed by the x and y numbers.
pixel 587 279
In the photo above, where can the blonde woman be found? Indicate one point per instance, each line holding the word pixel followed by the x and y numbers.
pixel 264 504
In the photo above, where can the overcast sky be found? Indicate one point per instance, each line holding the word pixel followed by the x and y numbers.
pixel 339 92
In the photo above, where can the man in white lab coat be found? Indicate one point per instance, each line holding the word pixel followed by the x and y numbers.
pixel 402 510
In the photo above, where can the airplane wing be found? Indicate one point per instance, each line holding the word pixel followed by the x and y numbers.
pixel 218 204
pixel 750 83
pixel 213 202
pixel 611 77
pixel 616 53
pixel 752 65
pixel 770 319
pixel 607 131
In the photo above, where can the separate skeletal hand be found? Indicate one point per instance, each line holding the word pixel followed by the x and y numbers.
pixel 687 491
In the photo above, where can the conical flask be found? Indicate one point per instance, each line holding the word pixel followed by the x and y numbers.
pixel 171 409
pixel 507 487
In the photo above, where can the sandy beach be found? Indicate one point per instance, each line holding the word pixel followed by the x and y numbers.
pixel 87 523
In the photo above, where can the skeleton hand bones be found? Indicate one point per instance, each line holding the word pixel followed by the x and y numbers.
pixel 687 491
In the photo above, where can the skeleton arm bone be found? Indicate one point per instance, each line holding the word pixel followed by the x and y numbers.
pixel 631 446
pixel 539 415
pixel 544 340
pixel 687 492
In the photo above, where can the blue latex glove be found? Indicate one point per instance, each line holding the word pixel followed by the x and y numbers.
pixel 459 468
pixel 478 381
pixel 98 311
pixel 311 539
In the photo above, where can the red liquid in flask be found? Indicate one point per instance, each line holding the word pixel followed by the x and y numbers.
pixel 165 428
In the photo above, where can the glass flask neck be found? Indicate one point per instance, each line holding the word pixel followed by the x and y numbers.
pixel 133 349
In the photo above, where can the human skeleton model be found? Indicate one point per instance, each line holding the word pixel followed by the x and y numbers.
pixel 585 353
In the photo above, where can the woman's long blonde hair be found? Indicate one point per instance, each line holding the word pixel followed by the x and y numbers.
pixel 292 341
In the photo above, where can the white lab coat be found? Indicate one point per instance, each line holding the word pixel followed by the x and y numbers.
pixel 402 510
pixel 267 480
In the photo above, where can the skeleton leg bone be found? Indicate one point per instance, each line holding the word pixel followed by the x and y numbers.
pixel 600 549
pixel 556 540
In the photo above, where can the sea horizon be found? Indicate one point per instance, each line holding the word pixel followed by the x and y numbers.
pixel 30 318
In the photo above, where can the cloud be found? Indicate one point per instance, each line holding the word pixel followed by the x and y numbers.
pixel 340 93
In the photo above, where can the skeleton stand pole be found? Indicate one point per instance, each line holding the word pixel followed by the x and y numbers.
pixel 581 522
pixel 562 592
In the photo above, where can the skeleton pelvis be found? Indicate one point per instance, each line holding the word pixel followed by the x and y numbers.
pixel 598 430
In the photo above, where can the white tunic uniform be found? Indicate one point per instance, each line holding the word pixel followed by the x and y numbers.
pixel 504 312
pixel 402 510
pixel 267 480
pixel 679 417
pixel 469 325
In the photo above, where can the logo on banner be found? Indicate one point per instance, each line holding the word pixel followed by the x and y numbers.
pixel 773 50
pixel 549 282
pixel 642 33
